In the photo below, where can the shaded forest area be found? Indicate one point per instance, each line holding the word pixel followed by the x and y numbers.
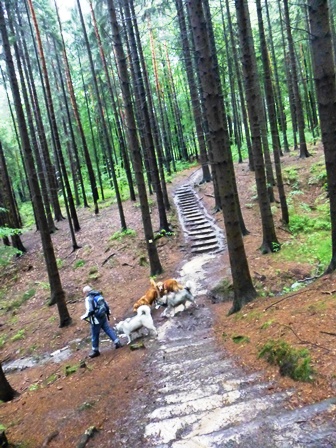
pixel 112 102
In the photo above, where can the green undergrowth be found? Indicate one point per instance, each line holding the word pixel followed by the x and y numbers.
pixel 7 304
pixel 292 362
pixel 121 234
pixel 310 227
pixel 240 339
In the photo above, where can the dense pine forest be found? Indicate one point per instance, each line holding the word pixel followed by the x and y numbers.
pixel 105 101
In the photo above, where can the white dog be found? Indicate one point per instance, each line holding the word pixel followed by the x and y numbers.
pixel 143 318
pixel 173 299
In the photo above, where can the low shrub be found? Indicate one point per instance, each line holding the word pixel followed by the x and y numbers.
pixel 292 362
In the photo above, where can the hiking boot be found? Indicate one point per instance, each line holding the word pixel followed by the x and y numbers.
pixel 94 354
pixel 117 344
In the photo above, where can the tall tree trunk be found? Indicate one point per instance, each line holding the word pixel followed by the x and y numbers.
pixel 7 393
pixel 298 102
pixel 107 141
pixel 57 293
pixel 243 288
pixel 253 95
pixel 41 173
pixel 53 123
pixel 87 157
pixel 152 117
pixel 281 112
pixel 331 5
pixel 143 108
pixel 270 99
pixel 166 140
pixel 236 132
pixel 93 140
pixel 176 109
pixel 121 139
pixel 324 74
pixel 9 202
pixel 289 80
pixel 240 87
pixel 77 165
pixel 133 142
pixel 216 74
pixel 195 101
pixel 49 171
pixel 23 182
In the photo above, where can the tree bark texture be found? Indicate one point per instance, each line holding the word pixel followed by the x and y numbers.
pixel 244 291
pixel 133 142
pixel 253 95
pixel 324 73
pixel 57 293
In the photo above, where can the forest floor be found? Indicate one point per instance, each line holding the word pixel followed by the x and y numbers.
pixel 61 400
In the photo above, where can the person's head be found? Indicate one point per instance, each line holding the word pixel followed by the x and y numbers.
pixel 87 289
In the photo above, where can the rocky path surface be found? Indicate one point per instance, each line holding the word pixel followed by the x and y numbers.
pixel 203 399
pixel 200 398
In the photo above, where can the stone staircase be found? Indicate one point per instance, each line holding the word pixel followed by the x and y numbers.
pixel 200 228
pixel 202 399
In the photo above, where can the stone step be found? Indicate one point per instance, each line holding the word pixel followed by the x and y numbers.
pixel 207 231
pixel 200 243
pixel 207 390
pixel 195 226
pixel 193 208
pixel 203 249
pixel 183 190
pixel 201 220
pixel 186 195
pixel 185 342
pixel 168 364
pixel 204 237
pixel 188 202
pixel 200 374
pixel 201 422
pixel 168 360
pixel 277 429
pixel 186 192
pixel 189 206
pixel 192 214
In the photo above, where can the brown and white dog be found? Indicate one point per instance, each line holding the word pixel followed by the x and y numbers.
pixel 174 299
pixel 156 291
pixel 169 285
pixel 151 295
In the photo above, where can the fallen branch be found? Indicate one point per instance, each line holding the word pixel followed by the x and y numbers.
pixel 49 438
pixel 303 341
pixel 285 230
pixel 107 259
pixel 327 332
pixel 329 292
pixel 284 298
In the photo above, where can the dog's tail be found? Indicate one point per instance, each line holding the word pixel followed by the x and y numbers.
pixel 152 282
pixel 188 286
pixel 144 309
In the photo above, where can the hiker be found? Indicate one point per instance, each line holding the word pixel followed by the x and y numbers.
pixel 97 314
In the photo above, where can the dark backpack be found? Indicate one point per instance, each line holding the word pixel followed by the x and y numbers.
pixel 99 306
